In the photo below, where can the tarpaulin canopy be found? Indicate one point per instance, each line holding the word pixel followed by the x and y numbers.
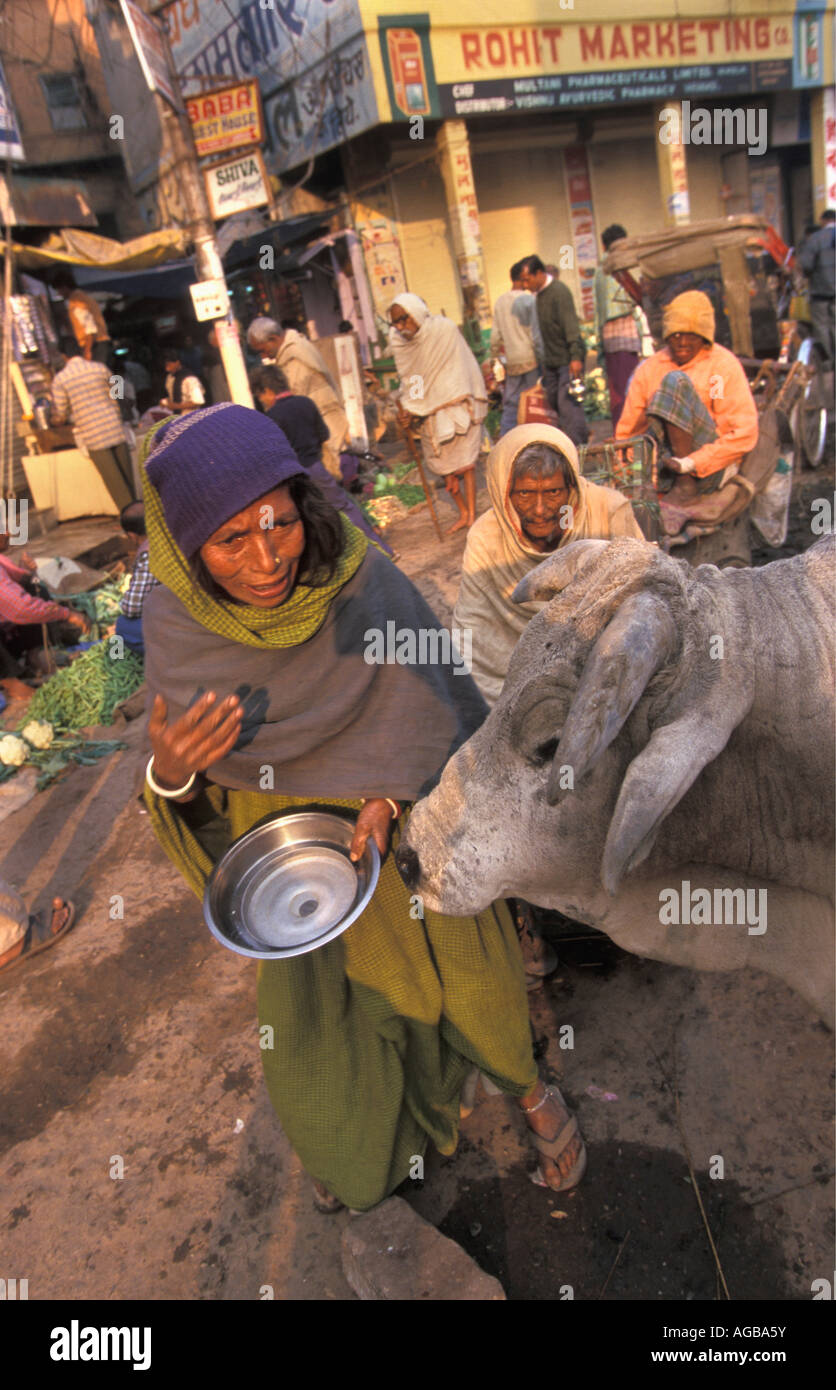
pixel 277 234
pixel 43 202
pixel 69 246
pixel 169 281
pixel 684 248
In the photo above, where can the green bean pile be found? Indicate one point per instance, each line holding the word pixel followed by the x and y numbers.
pixel 87 691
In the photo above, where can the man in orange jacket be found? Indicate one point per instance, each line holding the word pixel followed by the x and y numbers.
pixel 693 397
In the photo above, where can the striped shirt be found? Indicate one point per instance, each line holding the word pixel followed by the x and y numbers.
pixel 82 391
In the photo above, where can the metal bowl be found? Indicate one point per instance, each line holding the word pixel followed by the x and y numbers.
pixel 288 886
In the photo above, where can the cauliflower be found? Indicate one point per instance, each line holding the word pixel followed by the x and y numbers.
pixel 39 733
pixel 12 751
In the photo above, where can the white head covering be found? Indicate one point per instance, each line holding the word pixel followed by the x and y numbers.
pixel 436 367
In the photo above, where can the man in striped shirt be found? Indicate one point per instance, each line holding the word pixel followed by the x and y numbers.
pixel 81 392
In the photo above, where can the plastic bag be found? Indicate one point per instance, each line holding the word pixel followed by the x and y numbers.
pixel 770 508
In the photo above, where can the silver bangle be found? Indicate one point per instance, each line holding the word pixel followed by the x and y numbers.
pixel 164 791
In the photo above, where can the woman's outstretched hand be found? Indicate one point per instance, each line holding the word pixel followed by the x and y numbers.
pixel 199 738
pixel 375 819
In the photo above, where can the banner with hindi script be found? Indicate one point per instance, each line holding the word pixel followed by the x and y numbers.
pixel 310 59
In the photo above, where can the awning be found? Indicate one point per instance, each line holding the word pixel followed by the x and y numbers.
pixel 278 235
pixel 28 202
pixel 162 282
pixel 69 247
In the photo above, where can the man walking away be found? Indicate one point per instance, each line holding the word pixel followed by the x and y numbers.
pixel 512 338
pixel 817 259
pixel 616 329
pixel 81 392
pixel 563 350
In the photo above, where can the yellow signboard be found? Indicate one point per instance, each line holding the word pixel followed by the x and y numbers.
pixel 544 55
pixel 226 120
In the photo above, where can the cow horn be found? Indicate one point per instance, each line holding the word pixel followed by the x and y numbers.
pixel 629 651
pixel 559 570
pixel 662 773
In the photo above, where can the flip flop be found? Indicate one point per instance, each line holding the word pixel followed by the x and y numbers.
pixel 553 1148
pixel 39 935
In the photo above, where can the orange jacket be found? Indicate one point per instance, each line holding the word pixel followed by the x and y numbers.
pixel 720 383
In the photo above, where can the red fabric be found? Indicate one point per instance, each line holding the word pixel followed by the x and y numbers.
pixel 534 408
pixel 19 608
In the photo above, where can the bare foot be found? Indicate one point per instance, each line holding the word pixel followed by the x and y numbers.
pixel 459 525
pixel 548 1121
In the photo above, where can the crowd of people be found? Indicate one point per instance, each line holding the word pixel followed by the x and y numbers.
pixel 379 1035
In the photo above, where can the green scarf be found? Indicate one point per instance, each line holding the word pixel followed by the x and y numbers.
pixel 292 622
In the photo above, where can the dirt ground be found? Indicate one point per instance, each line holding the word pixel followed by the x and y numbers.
pixel 140 1157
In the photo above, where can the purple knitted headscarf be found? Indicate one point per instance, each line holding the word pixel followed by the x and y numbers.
pixel 212 463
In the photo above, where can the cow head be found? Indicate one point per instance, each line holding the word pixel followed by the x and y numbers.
pixel 611 708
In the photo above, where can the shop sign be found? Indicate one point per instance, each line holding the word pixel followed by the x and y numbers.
pixel 378 233
pixel 226 120
pixel 210 299
pixel 150 49
pixel 11 145
pixel 237 184
pixel 496 67
pixel 309 58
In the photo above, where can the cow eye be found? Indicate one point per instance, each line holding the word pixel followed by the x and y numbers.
pixel 543 752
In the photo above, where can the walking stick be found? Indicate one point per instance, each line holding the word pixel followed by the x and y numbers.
pixel 415 454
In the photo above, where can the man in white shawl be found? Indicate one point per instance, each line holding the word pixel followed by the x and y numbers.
pixel 441 384
pixel 539 502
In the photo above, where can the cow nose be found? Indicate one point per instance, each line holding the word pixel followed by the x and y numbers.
pixel 408 865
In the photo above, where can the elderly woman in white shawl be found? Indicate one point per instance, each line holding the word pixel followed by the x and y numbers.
pixel 442 385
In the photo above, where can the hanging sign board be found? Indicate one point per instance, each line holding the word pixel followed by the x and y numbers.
pixel 226 120
pixel 151 51
pixel 11 146
pixel 237 184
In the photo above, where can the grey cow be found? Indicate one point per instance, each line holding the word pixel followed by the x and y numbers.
pixel 659 764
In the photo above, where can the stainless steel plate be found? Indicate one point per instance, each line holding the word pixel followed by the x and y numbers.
pixel 288 886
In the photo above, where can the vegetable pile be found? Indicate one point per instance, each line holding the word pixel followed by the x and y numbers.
pixel 42 748
pixel 88 691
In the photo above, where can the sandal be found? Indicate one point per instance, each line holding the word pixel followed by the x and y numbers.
pixel 554 1147
pixel 324 1200
pixel 39 933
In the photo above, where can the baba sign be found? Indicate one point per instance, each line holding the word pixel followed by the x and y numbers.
pixel 226 120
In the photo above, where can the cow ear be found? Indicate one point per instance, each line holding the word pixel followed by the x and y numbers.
pixel 661 774
pixel 559 570
pixel 626 655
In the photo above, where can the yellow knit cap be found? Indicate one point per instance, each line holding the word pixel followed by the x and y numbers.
pixel 691 312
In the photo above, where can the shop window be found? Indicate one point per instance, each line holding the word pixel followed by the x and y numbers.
pixel 63 101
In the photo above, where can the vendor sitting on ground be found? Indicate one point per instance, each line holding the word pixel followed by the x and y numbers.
pixel 539 502
pixel 693 397
pixel 22 613
pixel 306 431
pixel 129 622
